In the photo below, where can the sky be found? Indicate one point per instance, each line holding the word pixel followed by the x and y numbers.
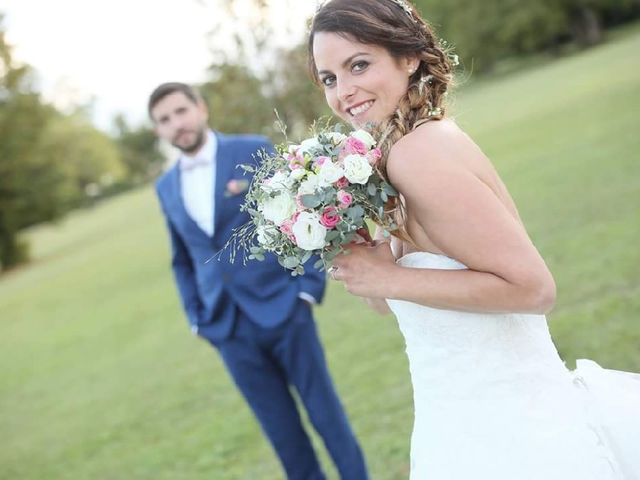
pixel 112 53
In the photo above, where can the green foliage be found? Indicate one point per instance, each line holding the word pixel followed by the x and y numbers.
pixel 485 32
pixel 88 158
pixel 138 150
pixel 28 184
pixel 49 162
pixel 241 100
pixel 298 101
pixel 237 102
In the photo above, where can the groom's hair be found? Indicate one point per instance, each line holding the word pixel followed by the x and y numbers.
pixel 168 88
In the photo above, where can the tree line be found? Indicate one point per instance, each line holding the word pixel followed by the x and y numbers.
pixel 52 162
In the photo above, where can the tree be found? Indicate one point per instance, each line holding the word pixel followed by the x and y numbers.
pixel 28 185
pixel 89 159
pixel 298 101
pixel 244 93
pixel 48 161
pixel 138 150
pixel 484 32
pixel 237 100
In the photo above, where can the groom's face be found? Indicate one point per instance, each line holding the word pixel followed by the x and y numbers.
pixel 181 121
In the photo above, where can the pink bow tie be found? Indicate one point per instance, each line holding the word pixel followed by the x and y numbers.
pixel 187 163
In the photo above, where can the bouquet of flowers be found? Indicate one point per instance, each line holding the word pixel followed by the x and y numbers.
pixel 313 199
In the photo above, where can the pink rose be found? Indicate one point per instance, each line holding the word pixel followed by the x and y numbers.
pixel 374 155
pixel 343 182
pixel 296 160
pixel 287 227
pixel 345 198
pixel 299 203
pixel 353 145
pixel 330 217
pixel 319 161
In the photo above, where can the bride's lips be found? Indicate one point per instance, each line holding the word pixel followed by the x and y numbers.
pixel 359 108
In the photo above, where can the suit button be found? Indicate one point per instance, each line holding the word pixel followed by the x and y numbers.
pixel 226 278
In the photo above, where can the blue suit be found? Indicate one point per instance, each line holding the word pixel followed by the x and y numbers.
pixel 253 315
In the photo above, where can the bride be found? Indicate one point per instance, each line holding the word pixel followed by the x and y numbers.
pixel 493 400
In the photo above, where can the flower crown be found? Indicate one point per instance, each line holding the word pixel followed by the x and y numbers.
pixel 406 7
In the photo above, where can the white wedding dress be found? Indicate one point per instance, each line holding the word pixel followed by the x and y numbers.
pixel 494 401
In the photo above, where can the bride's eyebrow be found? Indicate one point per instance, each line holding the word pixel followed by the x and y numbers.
pixel 345 63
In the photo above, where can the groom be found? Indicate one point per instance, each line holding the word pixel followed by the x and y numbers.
pixel 257 315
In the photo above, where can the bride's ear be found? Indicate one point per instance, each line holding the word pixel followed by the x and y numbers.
pixel 410 64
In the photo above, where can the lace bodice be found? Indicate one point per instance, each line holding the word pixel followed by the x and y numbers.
pixel 453 340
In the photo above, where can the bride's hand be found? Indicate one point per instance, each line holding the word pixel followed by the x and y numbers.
pixel 364 270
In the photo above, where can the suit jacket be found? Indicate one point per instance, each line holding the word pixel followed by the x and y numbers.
pixel 213 289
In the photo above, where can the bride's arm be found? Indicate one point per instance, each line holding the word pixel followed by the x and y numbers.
pixel 465 219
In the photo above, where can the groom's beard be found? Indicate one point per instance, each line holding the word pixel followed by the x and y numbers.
pixel 189 146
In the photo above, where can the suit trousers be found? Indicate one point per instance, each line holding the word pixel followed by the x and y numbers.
pixel 265 364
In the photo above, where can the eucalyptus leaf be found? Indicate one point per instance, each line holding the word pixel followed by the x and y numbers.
pixel 332 235
pixel 311 201
pixel 306 257
pixel 291 262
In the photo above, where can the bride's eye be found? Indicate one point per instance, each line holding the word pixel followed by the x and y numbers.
pixel 328 80
pixel 359 66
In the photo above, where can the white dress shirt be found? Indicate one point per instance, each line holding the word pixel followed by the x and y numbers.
pixel 197 180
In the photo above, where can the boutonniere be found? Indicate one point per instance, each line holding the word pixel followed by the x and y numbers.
pixel 236 187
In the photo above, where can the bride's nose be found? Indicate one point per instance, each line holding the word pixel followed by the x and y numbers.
pixel 346 90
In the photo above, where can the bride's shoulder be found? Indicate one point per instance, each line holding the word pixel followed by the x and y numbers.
pixel 433 146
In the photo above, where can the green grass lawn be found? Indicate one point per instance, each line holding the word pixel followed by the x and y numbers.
pixel 100 378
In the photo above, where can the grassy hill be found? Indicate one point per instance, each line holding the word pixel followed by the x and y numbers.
pixel 100 378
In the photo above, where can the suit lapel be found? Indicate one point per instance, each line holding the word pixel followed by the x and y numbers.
pixel 224 170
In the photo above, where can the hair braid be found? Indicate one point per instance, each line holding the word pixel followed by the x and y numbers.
pixel 425 100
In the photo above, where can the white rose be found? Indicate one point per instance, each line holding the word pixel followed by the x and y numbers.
pixel 280 181
pixel 357 169
pixel 266 235
pixel 365 137
pixel 278 208
pixel 309 185
pixel 336 137
pixel 309 144
pixel 309 232
pixel 297 174
pixel 329 173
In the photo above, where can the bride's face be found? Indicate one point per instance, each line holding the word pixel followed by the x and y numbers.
pixel 362 83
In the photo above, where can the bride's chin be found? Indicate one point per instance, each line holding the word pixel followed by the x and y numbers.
pixel 357 122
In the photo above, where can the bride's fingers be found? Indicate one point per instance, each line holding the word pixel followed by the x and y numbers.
pixel 366 236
